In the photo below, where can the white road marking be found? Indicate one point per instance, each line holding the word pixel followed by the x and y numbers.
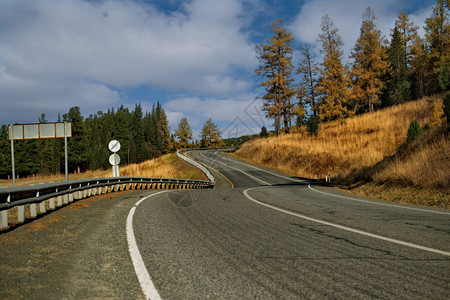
pixel 338 196
pixel 145 281
pixel 274 174
pixel 344 227
pixel 253 177
pixel 383 204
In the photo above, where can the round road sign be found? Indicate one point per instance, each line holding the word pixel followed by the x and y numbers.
pixel 114 146
pixel 114 159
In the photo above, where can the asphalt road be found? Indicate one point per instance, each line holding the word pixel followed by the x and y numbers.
pixel 221 244
pixel 259 234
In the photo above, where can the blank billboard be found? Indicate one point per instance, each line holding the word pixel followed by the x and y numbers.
pixel 39 131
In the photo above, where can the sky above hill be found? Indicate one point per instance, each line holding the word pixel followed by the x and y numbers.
pixel 197 58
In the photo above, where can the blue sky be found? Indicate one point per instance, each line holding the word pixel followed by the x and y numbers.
pixel 195 57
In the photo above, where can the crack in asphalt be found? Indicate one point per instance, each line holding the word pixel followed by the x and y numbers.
pixel 322 233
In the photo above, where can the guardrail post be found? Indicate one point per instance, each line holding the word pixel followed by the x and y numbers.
pixel 51 203
pixel 33 210
pixel 4 219
pixel 21 213
pixel 68 198
pixel 59 201
pixel 42 209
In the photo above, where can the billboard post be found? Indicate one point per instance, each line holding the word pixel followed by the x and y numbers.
pixel 39 131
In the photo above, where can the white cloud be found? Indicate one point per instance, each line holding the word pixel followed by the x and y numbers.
pixel 45 45
pixel 347 16
pixel 233 115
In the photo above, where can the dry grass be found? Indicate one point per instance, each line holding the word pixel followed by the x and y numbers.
pixel 366 146
pixel 357 142
pixel 167 166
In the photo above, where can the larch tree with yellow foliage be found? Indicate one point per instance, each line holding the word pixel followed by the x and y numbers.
pixel 369 66
pixel 333 85
pixel 183 133
pixel 275 57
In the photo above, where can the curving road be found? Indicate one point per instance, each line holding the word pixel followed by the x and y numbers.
pixel 262 234
pixel 259 234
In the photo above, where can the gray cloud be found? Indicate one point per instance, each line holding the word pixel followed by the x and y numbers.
pixel 80 52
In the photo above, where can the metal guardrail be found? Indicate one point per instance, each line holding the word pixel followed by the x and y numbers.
pixel 196 164
pixel 52 195
pixel 39 199
pixel 201 167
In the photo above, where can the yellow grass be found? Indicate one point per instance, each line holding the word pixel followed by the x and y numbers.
pixel 357 142
pixel 167 166
pixel 367 148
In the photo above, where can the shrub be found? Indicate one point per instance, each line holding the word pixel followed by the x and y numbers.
pixel 414 131
pixel 312 125
pixel 447 109
pixel 436 118
pixel 263 132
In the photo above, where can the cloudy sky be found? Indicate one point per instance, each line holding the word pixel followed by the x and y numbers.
pixel 197 58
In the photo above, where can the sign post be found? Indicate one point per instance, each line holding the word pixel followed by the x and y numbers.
pixel 12 161
pixel 114 159
pixel 39 131
pixel 66 168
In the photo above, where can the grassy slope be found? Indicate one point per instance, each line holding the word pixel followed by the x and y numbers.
pixel 167 166
pixel 368 154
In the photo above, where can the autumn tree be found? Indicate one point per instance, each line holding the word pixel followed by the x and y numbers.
pixel 408 33
pixel 333 85
pixel 210 135
pixel 437 35
pixel 308 70
pixel 369 65
pixel 183 133
pixel 418 67
pixel 275 69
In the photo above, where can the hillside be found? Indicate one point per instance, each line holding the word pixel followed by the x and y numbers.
pixel 368 154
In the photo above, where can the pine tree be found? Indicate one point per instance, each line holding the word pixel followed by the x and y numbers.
pixel 333 85
pixel 5 153
pixel 398 85
pixel 138 130
pixel 414 131
pixel 78 144
pixel 369 65
pixel 437 34
pixel 210 135
pixel 123 133
pixel 163 132
pixel 263 132
pixel 275 69
pixel 183 133
pixel 308 70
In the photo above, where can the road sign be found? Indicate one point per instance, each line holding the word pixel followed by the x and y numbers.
pixel 114 159
pixel 39 131
pixel 114 146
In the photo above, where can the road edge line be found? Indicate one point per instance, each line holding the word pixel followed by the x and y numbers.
pixel 382 204
pixel 147 286
pixel 380 237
